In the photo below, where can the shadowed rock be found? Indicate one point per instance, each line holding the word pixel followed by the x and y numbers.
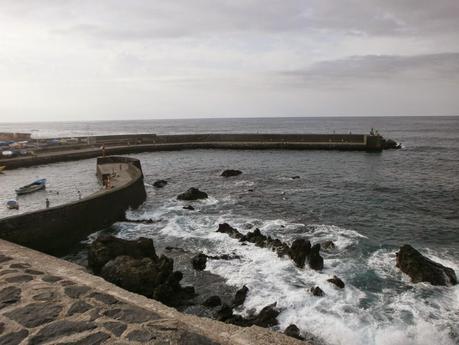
pixel 316 262
pixel 189 207
pixel 160 183
pixel 108 247
pixel 329 245
pixel 192 194
pixel 422 269
pixel 317 291
pixel 230 173
pixel 293 331
pixel 267 316
pixel 212 301
pixel 199 261
pixel 229 230
pixel 337 281
pixel 240 296
pixel 299 251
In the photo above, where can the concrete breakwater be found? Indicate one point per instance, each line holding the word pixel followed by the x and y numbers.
pixel 54 230
pixel 89 147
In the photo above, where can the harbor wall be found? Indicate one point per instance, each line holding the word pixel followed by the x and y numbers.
pixel 56 229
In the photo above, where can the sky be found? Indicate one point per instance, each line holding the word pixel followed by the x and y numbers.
pixel 145 59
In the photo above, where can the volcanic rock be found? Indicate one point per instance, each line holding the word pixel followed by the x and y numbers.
pixel 267 316
pixel 299 251
pixel 240 296
pixel 229 230
pixel 338 282
pixel 212 301
pixel 160 183
pixel 390 144
pixel 317 291
pixel 108 247
pixel 192 194
pixel 422 269
pixel 293 331
pixel 316 262
pixel 189 207
pixel 199 262
pixel 230 173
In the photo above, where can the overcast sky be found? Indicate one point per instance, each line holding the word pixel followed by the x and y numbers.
pixel 119 59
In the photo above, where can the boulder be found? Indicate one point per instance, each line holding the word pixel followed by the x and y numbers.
pixel 299 251
pixel 293 331
pixel 240 296
pixel 317 291
pixel 267 316
pixel 189 207
pixel 230 173
pixel 229 230
pixel 224 313
pixel 160 183
pixel 329 245
pixel 108 247
pixel 212 301
pixel 422 269
pixel 199 262
pixel 389 144
pixel 295 177
pixel 316 262
pixel 338 282
pixel 192 194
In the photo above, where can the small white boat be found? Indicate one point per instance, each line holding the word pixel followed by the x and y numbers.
pixel 33 187
pixel 12 205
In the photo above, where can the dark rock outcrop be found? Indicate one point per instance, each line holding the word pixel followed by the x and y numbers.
pixel 192 194
pixel 390 144
pixel 108 247
pixel 267 316
pixel 212 301
pixel 293 331
pixel 316 262
pixel 229 230
pixel 230 173
pixel 240 296
pixel 199 261
pixel 160 183
pixel 299 251
pixel 422 269
pixel 329 245
pixel 189 207
pixel 134 266
pixel 337 281
pixel 317 291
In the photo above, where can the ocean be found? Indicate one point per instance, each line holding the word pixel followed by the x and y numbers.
pixel 368 204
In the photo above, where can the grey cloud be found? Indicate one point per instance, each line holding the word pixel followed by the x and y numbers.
pixel 442 66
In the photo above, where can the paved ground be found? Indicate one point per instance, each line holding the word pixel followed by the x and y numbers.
pixel 45 300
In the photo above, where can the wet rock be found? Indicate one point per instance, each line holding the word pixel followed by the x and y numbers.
pixel 293 331
pixel 131 314
pixel 225 228
pixel 78 308
pixel 295 177
pixel 316 262
pixel 212 301
pixel 192 194
pixel 231 173
pixel 317 291
pixel 199 262
pixel 35 314
pixel 329 245
pixel 389 144
pixel 117 328
pixel 189 207
pixel 299 251
pixel 60 329
pixel 9 296
pixel 14 338
pixel 337 281
pixel 107 247
pixel 267 316
pixel 422 269
pixel 225 313
pixel 240 296
pixel 75 291
pixel 160 183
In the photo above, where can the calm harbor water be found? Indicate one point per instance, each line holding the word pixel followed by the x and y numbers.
pixel 368 204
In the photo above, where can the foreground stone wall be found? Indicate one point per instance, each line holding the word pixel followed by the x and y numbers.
pixel 46 300
pixel 56 229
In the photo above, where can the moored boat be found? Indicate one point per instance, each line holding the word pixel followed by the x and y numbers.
pixel 33 187
pixel 12 205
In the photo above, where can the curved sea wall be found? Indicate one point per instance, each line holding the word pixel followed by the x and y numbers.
pixel 56 229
